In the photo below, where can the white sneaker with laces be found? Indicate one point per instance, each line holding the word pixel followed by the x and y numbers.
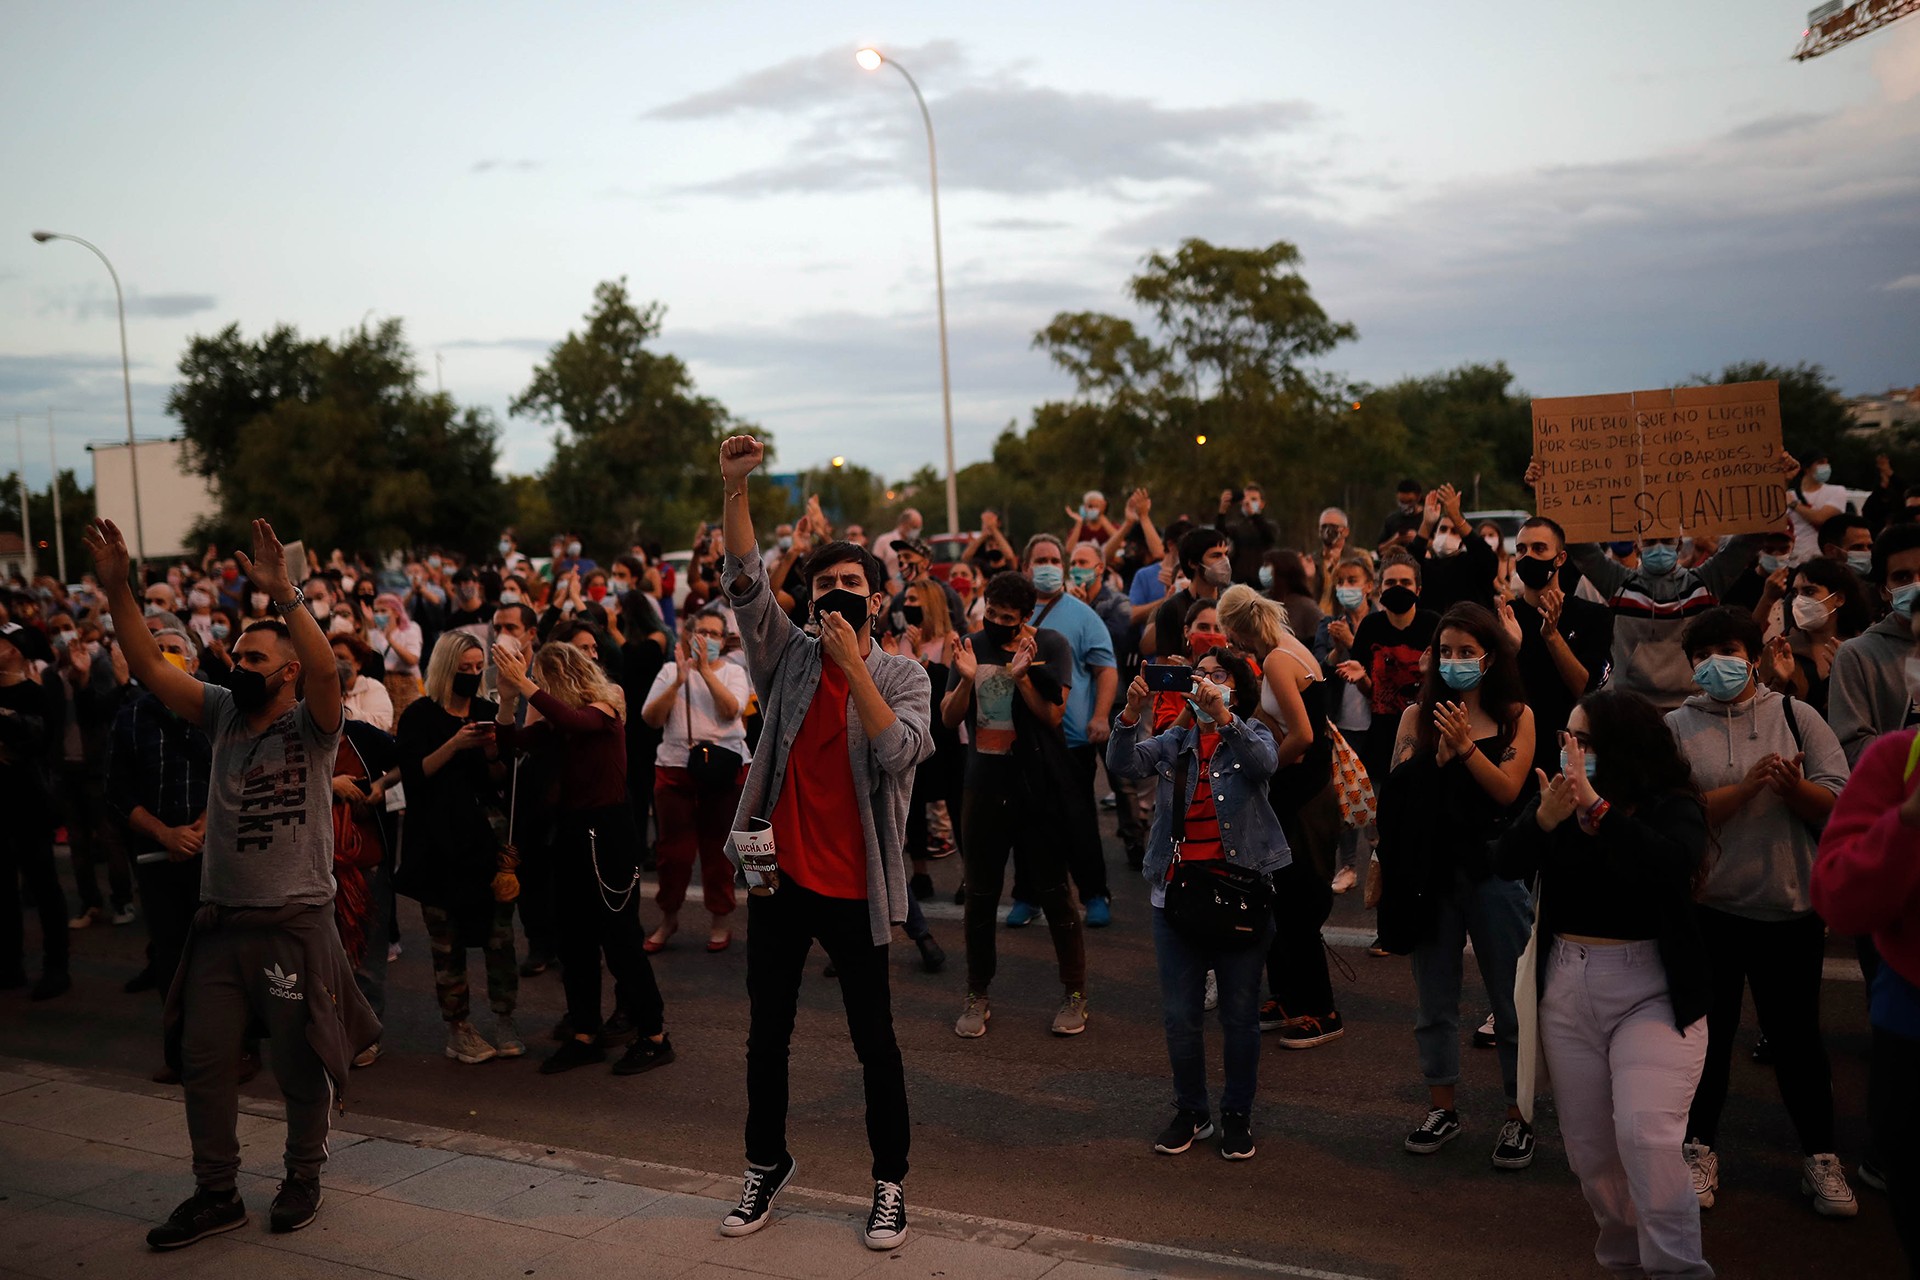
pixel 887 1223
pixel 1705 1168
pixel 1823 1178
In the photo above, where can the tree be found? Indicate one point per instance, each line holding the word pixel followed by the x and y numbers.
pixel 76 508
pixel 639 447
pixel 1466 427
pixel 337 442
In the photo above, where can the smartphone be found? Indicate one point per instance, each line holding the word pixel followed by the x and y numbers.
pixel 1168 677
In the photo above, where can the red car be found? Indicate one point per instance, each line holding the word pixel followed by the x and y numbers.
pixel 947 549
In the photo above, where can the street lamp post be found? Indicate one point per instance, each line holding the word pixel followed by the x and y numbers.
pixel 126 383
pixel 870 59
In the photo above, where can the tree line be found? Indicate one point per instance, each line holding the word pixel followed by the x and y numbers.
pixel 1219 378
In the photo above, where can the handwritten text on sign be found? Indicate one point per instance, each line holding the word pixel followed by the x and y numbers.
pixel 1655 464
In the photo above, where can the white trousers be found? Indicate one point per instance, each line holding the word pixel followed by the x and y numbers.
pixel 1623 1079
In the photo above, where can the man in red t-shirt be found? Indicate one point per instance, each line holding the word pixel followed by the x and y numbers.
pixel 844 726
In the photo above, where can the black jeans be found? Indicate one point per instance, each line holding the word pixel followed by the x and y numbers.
pixel 995 823
pixel 28 859
pixel 1081 826
pixel 781 930
pixel 92 837
pixel 1782 961
pixel 1893 1107
pixel 595 854
pixel 1302 900
pixel 170 894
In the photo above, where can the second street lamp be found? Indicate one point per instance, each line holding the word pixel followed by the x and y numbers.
pixel 870 59
pixel 126 383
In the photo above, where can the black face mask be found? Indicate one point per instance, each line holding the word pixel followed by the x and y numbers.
pixel 1399 599
pixel 1534 572
pixel 914 614
pixel 847 604
pixel 998 634
pixel 466 683
pixel 249 688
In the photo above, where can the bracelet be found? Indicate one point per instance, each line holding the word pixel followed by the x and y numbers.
pixel 1590 820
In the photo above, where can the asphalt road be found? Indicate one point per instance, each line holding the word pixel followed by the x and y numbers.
pixel 1020 1125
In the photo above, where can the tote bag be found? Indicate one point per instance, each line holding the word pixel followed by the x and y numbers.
pixel 1357 801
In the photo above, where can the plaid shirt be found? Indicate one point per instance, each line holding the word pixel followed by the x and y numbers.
pixel 158 762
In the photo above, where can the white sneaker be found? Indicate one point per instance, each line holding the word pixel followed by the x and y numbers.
pixel 464 1044
pixel 972 1023
pixel 1211 1000
pixel 1823 1178
pixel 1705 1168
pixel 887 1222
pixel 123 915
pixel 1344 879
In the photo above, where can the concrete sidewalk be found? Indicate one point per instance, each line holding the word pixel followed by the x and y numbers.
pixel 89 1162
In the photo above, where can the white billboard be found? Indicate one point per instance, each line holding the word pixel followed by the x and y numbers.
pixel 172 498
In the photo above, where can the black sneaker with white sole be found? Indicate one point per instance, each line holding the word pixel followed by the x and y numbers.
pixel 294 1205
pixel 757 1190
pixel 1515 1148
pixel 1236 1136
pixel 1439 1128
pixel 1187 1128
pixel 202 1214
pixel 887 1220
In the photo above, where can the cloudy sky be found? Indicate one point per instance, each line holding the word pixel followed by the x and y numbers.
pixel 1607 196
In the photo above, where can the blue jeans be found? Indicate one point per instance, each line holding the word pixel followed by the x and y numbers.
pixel 1183 983
pixel 1497 915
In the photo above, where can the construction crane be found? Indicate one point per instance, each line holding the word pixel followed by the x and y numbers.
pixel 1836 22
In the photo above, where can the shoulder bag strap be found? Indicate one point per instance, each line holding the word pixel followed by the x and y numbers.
pixel 1179 815
pixel 1049 609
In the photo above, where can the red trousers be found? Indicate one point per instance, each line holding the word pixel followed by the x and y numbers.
pixel 693 824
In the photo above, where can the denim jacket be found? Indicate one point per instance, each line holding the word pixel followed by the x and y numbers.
pixel 1243 761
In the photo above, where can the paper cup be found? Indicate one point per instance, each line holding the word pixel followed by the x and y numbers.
pixel 755 845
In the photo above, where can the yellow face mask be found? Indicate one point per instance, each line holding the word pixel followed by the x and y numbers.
pixel 179 660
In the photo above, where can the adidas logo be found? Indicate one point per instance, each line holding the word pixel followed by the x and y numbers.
pixel 282 984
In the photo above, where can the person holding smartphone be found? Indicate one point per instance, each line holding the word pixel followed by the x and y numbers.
pixel 449 766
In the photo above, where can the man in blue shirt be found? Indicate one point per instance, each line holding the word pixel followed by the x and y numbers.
pixel 1088 720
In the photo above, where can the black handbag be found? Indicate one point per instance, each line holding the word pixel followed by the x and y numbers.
pixel 1213 902
pixel 713 767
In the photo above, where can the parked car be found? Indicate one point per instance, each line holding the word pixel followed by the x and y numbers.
pixel 947 549
pixel 1509 522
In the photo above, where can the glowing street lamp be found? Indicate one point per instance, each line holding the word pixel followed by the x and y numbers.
pixel 870 59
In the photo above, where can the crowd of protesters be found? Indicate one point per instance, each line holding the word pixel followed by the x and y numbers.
pixel 1640 778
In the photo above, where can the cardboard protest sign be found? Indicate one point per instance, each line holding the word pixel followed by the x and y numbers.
pixel 1655 464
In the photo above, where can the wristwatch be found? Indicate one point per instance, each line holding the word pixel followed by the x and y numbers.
pixel 286 610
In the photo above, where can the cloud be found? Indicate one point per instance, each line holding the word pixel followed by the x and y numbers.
pixel 96 302
pixel 997 132
pixel 1023 224
pixel 1904 282
pixel 513 166
pixel 493 344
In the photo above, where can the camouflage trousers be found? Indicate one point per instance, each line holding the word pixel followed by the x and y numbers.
pixel 450 963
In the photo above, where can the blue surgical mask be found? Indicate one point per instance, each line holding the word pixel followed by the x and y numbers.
pixel 1088 514
pixel 1350 597
pixel 1081 575
pixel 221 630
pixel 714 648
pixel 382 619
pixel 1266 577
pixel 1861 562
pixel 1903 598
pixel 1047 579
pixel 1564 766
pixel 1461 674
pixel 1822 473
pixel 1659 558
pixel 1769 564
pixel 786 542
pixel 1723 676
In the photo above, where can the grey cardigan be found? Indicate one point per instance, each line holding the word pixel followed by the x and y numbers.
pixel 784 662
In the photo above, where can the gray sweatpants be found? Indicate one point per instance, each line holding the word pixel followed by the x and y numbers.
pixel 1622 1078
pixel 236 976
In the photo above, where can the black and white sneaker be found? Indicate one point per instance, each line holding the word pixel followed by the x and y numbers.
pixel 1484 1035
pixel 1188 1127
pixel 201 1215
pixel 887 1221
pixel 757 1190
pixel 294 1205
pixel 1436 1131
pixel 1236 1136
pixel 1515 1148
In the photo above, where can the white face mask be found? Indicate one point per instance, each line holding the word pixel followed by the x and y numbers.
pixel 1809 613
pixel 340 627
pixel 259 602
pixel 1445 544
pixel 509 597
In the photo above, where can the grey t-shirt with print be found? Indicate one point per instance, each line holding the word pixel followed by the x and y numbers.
pixel 269 810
